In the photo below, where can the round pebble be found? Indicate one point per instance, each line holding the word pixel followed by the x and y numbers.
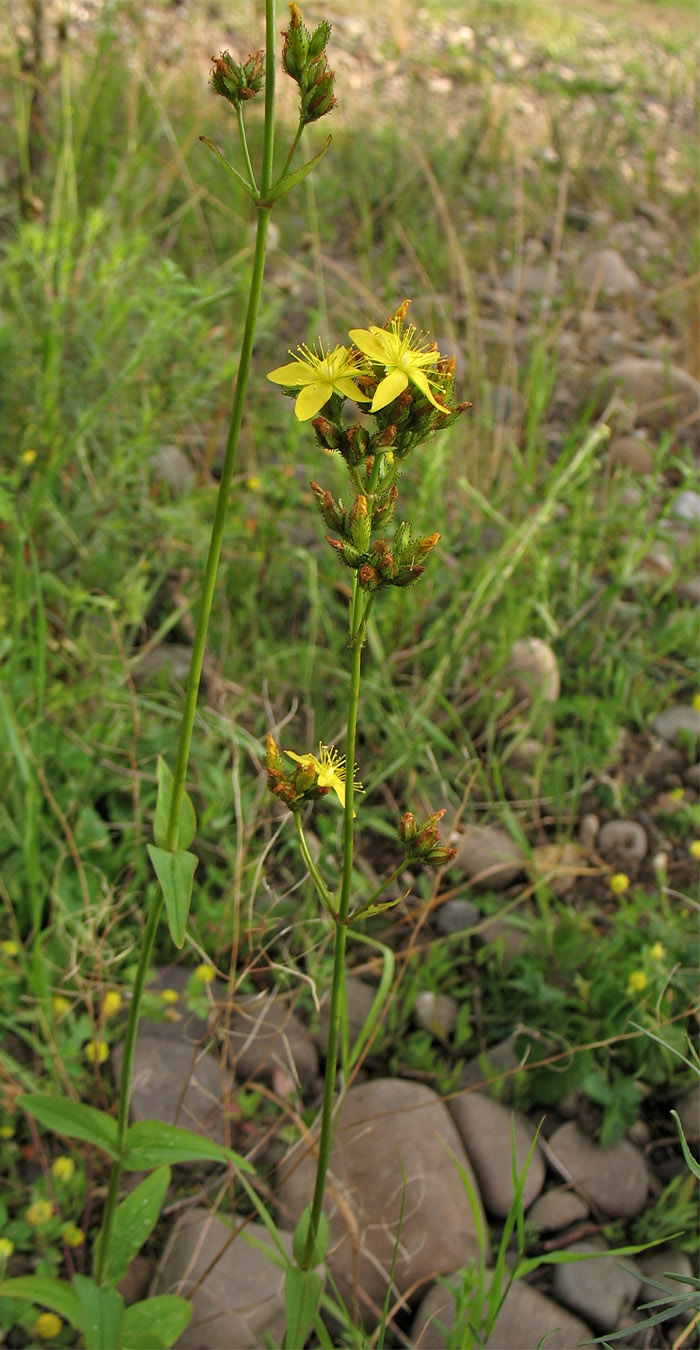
pixel 488 856
pixel 614 1179
pixel 533 671
pixel 623 839
pixel 455 916
pixel 684 719
pixel 436 1013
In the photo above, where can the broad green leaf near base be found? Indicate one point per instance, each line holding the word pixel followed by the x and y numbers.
pixel 155 1323
pixel 151 1143
pixel 74 1120
pixel 134 1221
pixel 175 872
pixel 187 823
pixel 302 1293
pixel 48 1292
pixel 103 1314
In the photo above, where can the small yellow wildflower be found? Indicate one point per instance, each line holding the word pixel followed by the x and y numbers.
pixel 637 982
pixel 619 883
pixel 63 1167
pixel 7 1131
pixel 9 947
pixel 658 952
pixel 60 1005
pixel 47 1326
pixel 73 1236
pixel 319 377
pixel 96 1052
pixel 38 1213
pixel 329 768
pixel 253 484
pixel 404 355
pixel 695 849
pixel 6 1248
pixel 111 1002
pixel 169 996
pixel 696 703
pixel 28 456
pixel 204 974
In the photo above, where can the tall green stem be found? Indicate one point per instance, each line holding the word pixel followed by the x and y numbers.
pixel 341 931
pixel 198 648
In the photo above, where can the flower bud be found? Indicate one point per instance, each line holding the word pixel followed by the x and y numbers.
pixel 407 827
pixel 328 435
pixel 368 578
pixel 235 82
pixel 423 547
pixel 330 510
pixel 360 523
pixel 402 539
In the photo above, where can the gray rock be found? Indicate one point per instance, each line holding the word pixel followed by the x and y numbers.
pixel 240 1300
pixel 360 997
pixel 655 1265
pixel 588 831
pixel 524 754
pixel 605 270
pixel 172 467
pixel 623 839
pixel 558 864
pixel 681 721
pixel 532 671
pixel 687 506
pixel 455 916
pixel 692 776
pixel 527 1320
pixel 601 1290
pixel 662 394
pixel 488 856
pixel 265 1037
pixel 436 1013
pixel 633 452
pixel 391 1137
pixel 485 1128
pixel 178 1084
pixel 499 1062
pixel 688 1108
pixel 556 1210
pixel 505 930
pixel 615 1180
pixel 174 657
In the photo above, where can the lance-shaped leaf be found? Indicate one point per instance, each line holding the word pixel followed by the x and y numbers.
pixel 187 820
pixel 243 182
pixel 290 180
pixel 134 1221
pixel 74 1120
pixel 175 872
pixel 151 1143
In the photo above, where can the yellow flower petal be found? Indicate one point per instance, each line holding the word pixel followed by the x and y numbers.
pixel 311 400
pixel 369 341
pixel 388 389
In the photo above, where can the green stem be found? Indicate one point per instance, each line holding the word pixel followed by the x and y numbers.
pixel 292 148
pixel 324 894
pixel 324 1143
pixel 244 146
pixel 197 658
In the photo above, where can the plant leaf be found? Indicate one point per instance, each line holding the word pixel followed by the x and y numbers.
pixel 187 821
pixel 155 1323
pixel 74 1120
pixel 284 185
pixel 103 1314
pixel 243 182
pixel 151 1143
pixel 48 1292
pixel 134 1219
pixel 175 872
pixel 690 1160
pixel 302 1292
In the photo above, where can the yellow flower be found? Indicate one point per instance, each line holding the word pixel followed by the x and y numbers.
pixel 695 849
pixel 329 769
pixel 73 1236
pixel 637 982
pixel 405 357
pixel 204 974
pixel 618 883
pixel 60 1005
pixel 320 376
pixel 6 1248
pixel 40 1212
pixel 47 1326
pixel 96 1052
pixel 169 996
pixel 9 947
pixel 7 1131
pixel 63 1167
pixel 657 952
pixel 696 703
pixel 111 1002
pixel 28 456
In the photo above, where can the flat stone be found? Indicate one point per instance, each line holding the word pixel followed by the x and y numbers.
pixel 485 1129
pixel 455 916
pixel 605 270
pixel 662 393
pixel 488 856
pixel 527 1320
pixel 656 1266
pixel 240 1300
pixel 603 1290
pixel 672 723
pixel 178 1084
pixel 625 840
pixel 615 1179
pixel 633 452
pixel 265 1037
pixel 392 1138
pixel 436 1013
pixel 533 671
pixel 556 1210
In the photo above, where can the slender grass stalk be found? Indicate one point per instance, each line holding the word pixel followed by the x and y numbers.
pixel 198 648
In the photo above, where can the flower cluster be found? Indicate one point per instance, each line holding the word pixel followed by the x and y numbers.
pixel 421 841
pixel 238 83
pixel 314 778
pixel 409 387
pixel 304 59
